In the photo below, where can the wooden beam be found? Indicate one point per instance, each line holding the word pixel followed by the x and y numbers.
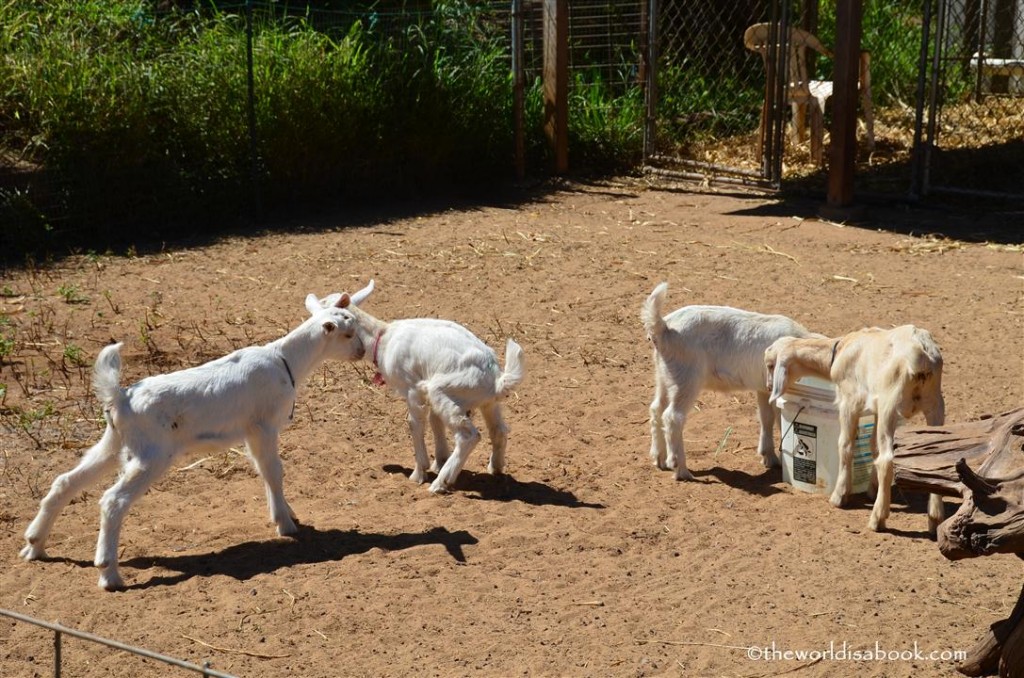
pixel 556 81
pixel 843 146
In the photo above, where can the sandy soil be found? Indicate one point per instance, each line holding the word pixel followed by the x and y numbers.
pixel 584 560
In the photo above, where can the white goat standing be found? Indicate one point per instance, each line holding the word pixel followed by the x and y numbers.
pixel 892 373
pixel 699 348
pixel 443 372
pixel 248 395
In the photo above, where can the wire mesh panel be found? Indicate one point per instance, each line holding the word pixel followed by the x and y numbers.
pixel 710 89
pixel 973 137
pixel 605 81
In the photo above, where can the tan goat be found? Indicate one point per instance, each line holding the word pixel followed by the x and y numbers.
pixel 891 373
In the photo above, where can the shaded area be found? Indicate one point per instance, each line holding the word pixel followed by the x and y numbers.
pixel 326 214
pixel 955 220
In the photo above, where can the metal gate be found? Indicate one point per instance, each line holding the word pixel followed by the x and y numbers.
pixel 947 79
pixel 970 131
pixel 715 109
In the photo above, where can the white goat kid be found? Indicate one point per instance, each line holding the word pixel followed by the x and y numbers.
pixel 699 348
pixel 248 395
pixel 892 373
pixel 443 372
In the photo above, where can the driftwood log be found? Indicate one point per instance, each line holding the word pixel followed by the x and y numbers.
pixel 983 462
pixel 926 456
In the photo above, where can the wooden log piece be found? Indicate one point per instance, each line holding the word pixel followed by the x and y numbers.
pixel 926 456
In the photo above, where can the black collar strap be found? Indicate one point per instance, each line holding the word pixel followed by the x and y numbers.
pixel 833 360
pixel 289 371
pixel 292 379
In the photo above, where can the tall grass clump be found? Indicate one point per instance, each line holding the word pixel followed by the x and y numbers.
pixel 699 104
pixel 448 99
pixel 378 109
pixel 605 123
pixel 117 115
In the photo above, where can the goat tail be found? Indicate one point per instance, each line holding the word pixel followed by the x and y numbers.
pixel 515 369
pixel 106 376
pixel 651 313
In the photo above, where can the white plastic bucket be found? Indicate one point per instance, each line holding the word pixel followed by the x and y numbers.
pixel 810 439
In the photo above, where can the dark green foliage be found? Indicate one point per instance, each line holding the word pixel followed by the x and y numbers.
pixel 891 31
pixel 136 117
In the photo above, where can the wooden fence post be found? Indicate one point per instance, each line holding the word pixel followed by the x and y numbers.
pixel 843 147
pixel 556 81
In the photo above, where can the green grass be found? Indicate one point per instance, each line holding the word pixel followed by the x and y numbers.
pixel 891 31
pixel 134 114
pixel 7 344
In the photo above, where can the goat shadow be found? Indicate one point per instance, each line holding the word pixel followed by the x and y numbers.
pixel 763 484
pixel 506 488
pixel 915 503
pixel 245 561
pixel 768 483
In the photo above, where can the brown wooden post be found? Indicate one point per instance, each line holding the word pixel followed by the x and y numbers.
pixel 556 81
pixel 518 91
pixel 843 146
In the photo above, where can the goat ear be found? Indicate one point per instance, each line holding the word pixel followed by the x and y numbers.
pixel 779 378
pixel 312 304
pixel 330 300
pixel 343 301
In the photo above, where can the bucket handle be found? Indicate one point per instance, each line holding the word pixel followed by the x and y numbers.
pixel 786 432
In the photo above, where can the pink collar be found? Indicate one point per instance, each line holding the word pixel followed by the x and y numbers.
pixel 378 378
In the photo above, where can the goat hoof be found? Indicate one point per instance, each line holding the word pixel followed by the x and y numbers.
pixel 437 487
pixel 837 500
pixel 418 477
pixel 111 581
pixel 770 460
pixel 683 474
pixel 876 525
pixel 33 552
pixel 287 529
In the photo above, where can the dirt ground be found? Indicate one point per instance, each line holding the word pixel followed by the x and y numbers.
pixel 585 560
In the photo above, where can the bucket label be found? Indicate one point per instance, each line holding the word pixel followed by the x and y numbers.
pixel 805 453
pixel 862 457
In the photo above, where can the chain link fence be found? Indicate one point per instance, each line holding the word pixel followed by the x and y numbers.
pixel 707 88
pixel 946 95
pixel 714 92
pixel 972 138
pixel 947 79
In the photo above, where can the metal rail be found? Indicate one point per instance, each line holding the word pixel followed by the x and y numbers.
pixel 59 631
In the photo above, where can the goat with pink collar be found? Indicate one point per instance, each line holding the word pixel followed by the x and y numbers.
pixel 443 372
